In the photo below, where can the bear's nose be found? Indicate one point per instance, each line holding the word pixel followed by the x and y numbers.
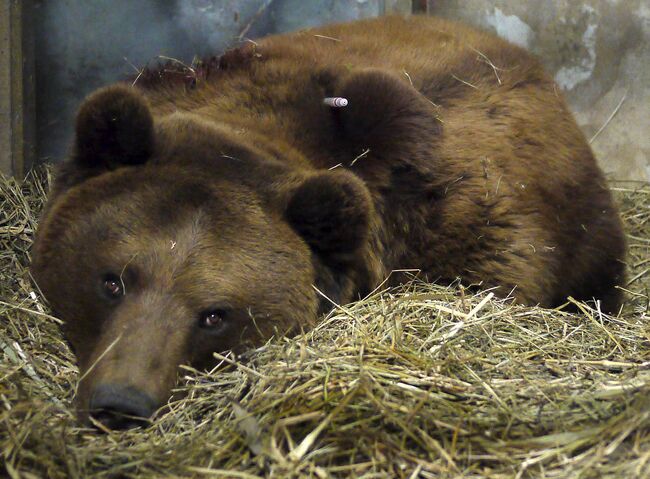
pixel 121 407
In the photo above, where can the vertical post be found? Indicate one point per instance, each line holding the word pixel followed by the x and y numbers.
pixel 16 88
pixel 421 6
pixel 402 7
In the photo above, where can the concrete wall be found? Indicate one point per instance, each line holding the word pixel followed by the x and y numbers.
pixel 599 54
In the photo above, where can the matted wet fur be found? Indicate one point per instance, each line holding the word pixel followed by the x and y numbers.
pixel 214 211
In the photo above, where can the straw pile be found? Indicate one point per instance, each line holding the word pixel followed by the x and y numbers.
pixel 423 382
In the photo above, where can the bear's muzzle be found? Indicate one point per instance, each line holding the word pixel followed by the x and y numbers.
pixel 121 407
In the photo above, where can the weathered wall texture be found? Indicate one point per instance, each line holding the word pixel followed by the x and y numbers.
pixel 599 53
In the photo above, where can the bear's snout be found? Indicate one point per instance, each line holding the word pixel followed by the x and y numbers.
pixel 121 407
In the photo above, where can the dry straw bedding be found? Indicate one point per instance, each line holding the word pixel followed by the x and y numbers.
pixel 422 382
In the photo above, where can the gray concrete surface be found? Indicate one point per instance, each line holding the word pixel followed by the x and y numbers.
pixel 599 54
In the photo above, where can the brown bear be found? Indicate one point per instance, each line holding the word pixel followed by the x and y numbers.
pixel 210 207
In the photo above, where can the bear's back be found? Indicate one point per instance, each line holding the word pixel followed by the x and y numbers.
pixel 506 188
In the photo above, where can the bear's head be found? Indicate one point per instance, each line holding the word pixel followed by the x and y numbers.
pixel 166 241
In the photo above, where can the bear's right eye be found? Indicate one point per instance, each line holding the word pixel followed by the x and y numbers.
pixel 212 319
pixel 113 286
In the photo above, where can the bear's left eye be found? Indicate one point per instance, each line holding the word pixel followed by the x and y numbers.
pixel 113 286
pixel 212 318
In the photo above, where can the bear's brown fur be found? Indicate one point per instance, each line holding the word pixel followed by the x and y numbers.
pixel 203 207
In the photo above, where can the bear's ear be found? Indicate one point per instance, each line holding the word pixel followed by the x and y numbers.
pixel 385 114
pixel 331 211
pixel 114 128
